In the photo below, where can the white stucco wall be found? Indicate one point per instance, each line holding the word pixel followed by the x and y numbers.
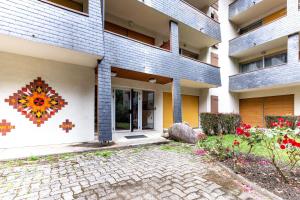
pixel 75 84
pixel 228 102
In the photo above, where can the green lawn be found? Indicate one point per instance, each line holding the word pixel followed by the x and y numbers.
pixel 258 150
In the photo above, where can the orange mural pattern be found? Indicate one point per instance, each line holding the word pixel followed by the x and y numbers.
pixel 5 127
pixel 37 101
pixel 67 126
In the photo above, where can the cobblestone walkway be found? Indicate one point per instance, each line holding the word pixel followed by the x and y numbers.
pixel 149 173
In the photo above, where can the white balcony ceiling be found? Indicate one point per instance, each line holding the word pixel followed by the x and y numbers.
pixel 200 4
pixel 259 10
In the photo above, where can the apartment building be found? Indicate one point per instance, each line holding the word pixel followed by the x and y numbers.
pixel 73 69
pixel 264 50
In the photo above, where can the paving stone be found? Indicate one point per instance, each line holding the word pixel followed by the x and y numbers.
pixel 126 175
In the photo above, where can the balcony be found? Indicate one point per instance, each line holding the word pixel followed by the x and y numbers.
pixel 130 54
pixel 243 11
pixel 148 26
pixel 52 31
pixel 187 15
pixel 273 77
pixel 264 38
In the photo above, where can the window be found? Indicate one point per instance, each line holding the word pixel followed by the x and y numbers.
pixel 251 66
pixel 189 54
pixel 274 60
pixel 80 6
pixel 264 62
pixel 214 59
pixel 251 27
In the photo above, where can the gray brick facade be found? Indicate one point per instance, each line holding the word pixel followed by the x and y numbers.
pixel 132 55
pixel 41 22
pixel 240 6
pixel 104 101
pixel 176 96
pixel 287 74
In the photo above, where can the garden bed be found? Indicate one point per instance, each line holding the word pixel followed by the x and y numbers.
pixel 256 167
pixel 260 171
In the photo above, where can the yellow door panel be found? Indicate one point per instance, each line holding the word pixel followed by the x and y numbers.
pixel 167 110
pixel 190 110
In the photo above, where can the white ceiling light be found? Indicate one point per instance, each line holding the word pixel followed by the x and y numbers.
pixel 152 80
pixel 114 74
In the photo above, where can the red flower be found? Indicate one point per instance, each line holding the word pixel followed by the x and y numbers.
pixel 298 123
pixel 282 146
pixel 236 143
pixel 285 136
pixel 289 124
pixel 274 124
pixel 239 131
pixel 247 126
pixel 280 119
pixel 285 141
pixel 247 134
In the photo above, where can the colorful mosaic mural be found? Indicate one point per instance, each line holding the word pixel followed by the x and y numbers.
pixel 5 127
pixel 67 126
pixel 37 101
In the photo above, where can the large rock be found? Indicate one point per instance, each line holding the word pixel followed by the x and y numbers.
pixel 183 132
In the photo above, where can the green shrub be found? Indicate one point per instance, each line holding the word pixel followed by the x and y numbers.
pixel 220 123
pixel 273 118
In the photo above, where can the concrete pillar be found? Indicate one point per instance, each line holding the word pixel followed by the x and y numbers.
pixel 293 48
pixel 104 102
pixel 176 100
pixel 174 37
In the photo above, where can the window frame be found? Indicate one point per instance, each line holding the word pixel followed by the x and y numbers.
pixel 263 60
pixel 67 8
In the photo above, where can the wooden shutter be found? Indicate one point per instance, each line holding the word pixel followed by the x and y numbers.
pixel 141 37
pixel 279 105
pixel 116 28
pixel 214 59
pixel 214 104
pixel 251 111
pixel 254 110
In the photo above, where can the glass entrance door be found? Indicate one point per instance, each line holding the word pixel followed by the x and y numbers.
pixel 148 110
pixel 122 110
pixel 135 110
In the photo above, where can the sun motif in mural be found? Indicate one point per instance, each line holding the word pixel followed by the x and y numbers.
pixel 37 101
